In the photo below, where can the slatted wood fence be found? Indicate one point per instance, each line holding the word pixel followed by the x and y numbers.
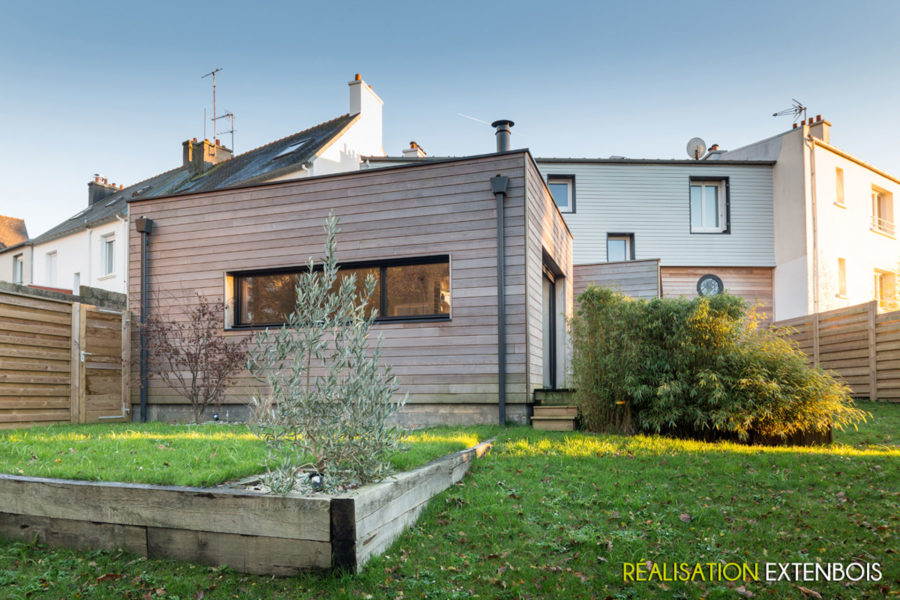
pixel 858 343
pixel 61 362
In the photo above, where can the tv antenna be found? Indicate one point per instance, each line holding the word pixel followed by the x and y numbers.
pixel 228 115
pixel 213 73
pixel 797 109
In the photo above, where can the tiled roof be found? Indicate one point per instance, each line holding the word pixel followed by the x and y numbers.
pixel 263 163
pixel 12 231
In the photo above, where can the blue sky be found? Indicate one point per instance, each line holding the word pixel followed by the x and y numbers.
pixel 110 88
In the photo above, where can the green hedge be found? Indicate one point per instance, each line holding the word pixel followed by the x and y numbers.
pixel 696 368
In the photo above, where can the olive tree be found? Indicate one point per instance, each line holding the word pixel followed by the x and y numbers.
pixel 327 400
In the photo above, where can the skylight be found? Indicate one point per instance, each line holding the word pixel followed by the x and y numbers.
pixel 292 148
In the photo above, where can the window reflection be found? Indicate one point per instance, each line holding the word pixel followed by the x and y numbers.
pixel 417 290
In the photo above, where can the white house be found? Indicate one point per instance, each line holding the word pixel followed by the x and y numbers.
pixel 90 248
pixel 835 234
pixel 790 223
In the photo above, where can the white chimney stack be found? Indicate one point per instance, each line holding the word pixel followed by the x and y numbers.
pixel 366 103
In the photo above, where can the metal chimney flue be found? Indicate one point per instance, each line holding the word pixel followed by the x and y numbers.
pixel 502 126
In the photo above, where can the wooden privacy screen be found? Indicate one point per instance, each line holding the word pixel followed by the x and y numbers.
pixel 60 362
pixel 857 343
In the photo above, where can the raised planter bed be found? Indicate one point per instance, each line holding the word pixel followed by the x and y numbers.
pixel 249 531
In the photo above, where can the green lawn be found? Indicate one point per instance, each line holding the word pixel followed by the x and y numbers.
pixel 555 515
pixel 195 455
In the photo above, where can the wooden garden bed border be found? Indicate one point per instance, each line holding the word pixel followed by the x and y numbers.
pixel 249 531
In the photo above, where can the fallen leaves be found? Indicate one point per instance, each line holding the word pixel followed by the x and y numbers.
pixel 808 592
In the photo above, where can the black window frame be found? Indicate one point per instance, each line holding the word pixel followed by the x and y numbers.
pixel 726 182
pixel 382 265
pixel 571 180
pixel 630 237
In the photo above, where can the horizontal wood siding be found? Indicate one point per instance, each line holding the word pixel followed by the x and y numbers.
pixel 422 210
pixel 857 343
pixel 652 201
pixel 752 284
pixel 635 278
pixel 35 361
pixel 546 233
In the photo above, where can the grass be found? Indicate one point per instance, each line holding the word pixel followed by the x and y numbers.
pixel 193 455
pixel 555 515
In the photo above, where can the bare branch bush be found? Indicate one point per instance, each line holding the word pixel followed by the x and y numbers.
pixel 189 353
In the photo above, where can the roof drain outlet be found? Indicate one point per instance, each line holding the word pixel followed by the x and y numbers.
pixel 502 126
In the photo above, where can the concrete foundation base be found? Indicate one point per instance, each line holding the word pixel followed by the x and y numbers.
pixel 411 416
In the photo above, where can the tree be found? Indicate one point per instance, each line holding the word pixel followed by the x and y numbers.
pixel 327 402
pixel 192 356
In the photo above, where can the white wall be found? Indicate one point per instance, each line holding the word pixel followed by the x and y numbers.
pixel 847 232
pixel 793 276
pixel 6 264
pixel 652 201
pixel 82 253
pixel 363 138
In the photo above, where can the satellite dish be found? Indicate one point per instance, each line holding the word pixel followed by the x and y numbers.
pixel 696 148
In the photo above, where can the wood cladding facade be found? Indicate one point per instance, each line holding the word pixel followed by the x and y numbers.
pixel 754 284
pixel 635 278
pixel 434 209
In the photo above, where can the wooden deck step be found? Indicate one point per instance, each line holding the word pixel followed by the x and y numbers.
pixel 553 424
pixel 568 412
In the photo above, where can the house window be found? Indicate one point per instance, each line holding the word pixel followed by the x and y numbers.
pixel 619 247
pixel 842 278
pixel 839 187
pixel 51 269
pixel 709 212
pixel 562 187
pixel 710 285
pixel 18 268
pixel 108 254
pixel 885 289
pixel 882 211
pixel 405 290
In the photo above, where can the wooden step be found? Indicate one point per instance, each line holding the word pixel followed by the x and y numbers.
pixel 553 424
pixel 568 412
pixel 545 397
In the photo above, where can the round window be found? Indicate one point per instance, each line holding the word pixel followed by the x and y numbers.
pixel 710 285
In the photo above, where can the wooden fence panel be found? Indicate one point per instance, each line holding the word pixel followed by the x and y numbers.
pixel 857 343
pixel 44 375
pixel 35 360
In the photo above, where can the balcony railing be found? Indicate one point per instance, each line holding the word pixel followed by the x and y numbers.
pixel 883 225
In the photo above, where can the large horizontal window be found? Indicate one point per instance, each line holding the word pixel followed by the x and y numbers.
pixel 409 289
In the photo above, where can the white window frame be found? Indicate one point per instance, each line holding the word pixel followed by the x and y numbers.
pixel 883 211
pixel 839 198
pixel 52 263
pixel 108 255
pixel 885 288
pixel 842 278
pixel 18 272
pixel 569 181
pixel 628 238
pixel 719 184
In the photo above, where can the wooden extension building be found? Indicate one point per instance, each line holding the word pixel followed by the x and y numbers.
pixel 427 231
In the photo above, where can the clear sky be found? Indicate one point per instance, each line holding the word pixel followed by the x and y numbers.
pixel 115 87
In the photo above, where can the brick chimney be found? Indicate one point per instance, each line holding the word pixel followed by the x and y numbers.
pixel 100 188
pixel 199 157
pixel 414 151
pixel 820 128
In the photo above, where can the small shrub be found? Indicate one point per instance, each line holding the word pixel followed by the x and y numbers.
pixel 696 368
pixel 329 401
pixel 191 355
